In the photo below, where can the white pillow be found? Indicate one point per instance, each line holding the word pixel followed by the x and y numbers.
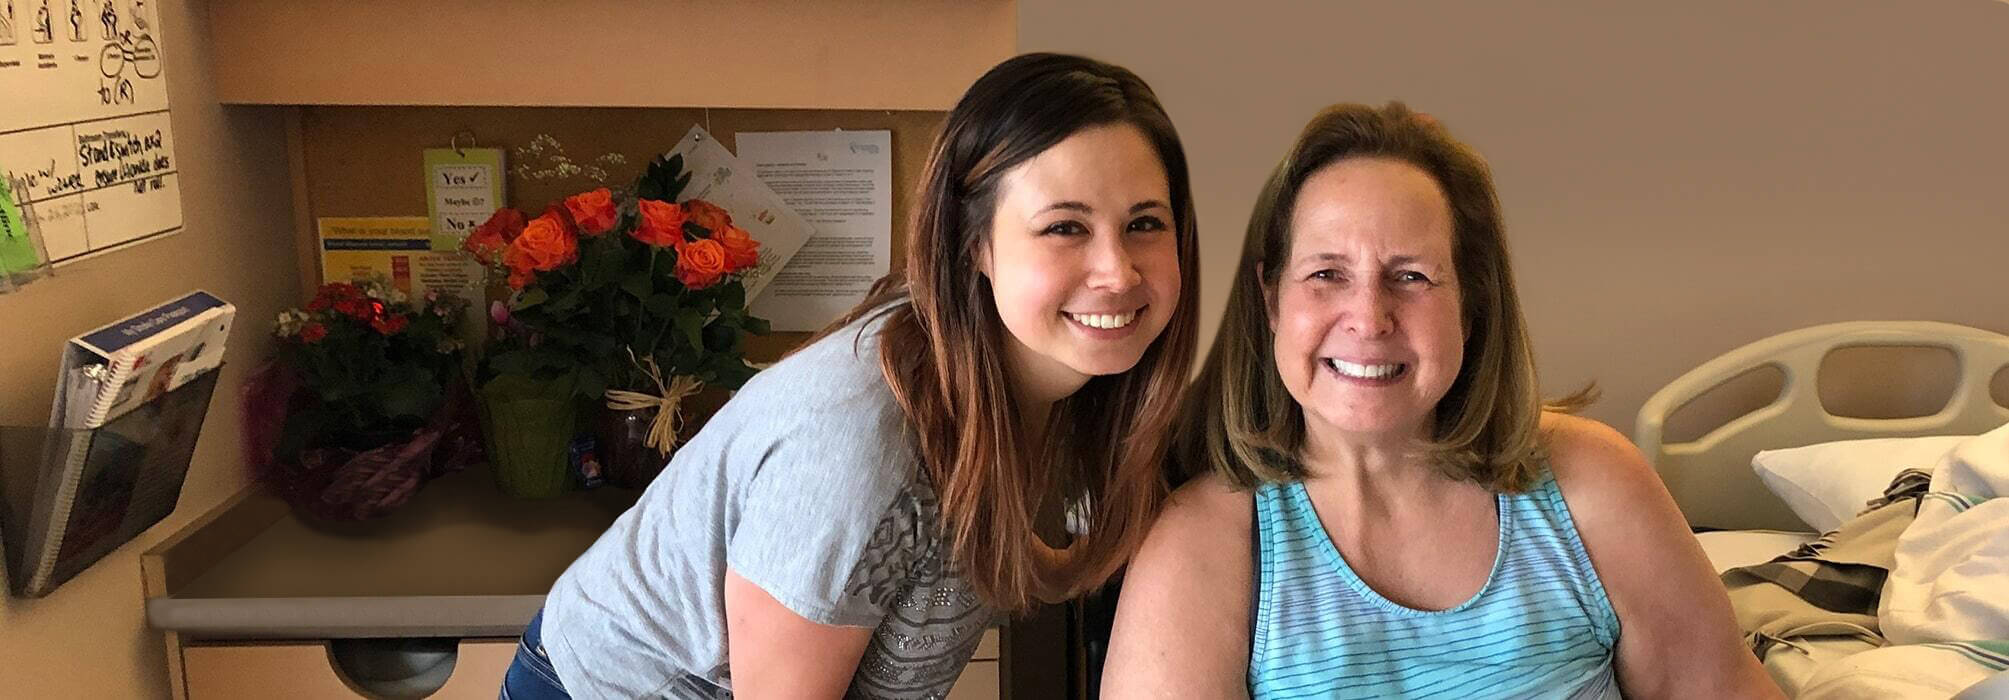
pixel 1828 483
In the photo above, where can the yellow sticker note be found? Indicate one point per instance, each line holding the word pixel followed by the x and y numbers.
pixel 400 249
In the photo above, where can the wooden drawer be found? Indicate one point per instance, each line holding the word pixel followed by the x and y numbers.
pixel 307 671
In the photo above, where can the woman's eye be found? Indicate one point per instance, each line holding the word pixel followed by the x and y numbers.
pixel 1064 228
pixel 1148 223
pixel 1324 275
pixel 1412 276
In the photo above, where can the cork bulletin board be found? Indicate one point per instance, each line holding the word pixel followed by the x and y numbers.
pixel 366 161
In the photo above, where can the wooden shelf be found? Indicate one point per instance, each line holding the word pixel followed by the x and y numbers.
pixel 876 54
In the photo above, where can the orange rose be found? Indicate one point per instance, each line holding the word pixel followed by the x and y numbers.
pixel 701 263
pixel 522 267
pixel 519 279
pixel 593 211
pixel 493 236
pixel 661 224
pixel 708 215
pixel 741 250
pixel 543 245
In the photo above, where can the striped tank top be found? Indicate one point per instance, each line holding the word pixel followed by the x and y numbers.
pixel 1541 626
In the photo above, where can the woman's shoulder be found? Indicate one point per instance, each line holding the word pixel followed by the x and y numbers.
pixel 1200 521
pixel 1601 474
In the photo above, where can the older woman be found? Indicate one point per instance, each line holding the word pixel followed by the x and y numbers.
pixel 1385 508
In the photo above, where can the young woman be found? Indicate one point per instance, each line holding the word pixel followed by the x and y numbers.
pixel 857 515
pixel 1387 510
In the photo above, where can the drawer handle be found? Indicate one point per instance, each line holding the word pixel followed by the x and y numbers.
pixel 395 667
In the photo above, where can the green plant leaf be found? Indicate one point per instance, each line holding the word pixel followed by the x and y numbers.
pixel 639 285
pixel 692 325
pixel 532 298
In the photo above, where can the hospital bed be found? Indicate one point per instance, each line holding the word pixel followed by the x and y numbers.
pixel 1740 521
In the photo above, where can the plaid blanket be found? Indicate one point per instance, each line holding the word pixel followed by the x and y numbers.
pixel 1829 586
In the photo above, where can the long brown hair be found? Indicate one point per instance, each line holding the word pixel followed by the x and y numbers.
pixel 943 353
pixel 1486 425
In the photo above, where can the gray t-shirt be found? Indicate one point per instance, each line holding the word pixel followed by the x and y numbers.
pixel 807 484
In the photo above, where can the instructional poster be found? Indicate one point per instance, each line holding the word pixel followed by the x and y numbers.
pixel 398 248
pixel 84 138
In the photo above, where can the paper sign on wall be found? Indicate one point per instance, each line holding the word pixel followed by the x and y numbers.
pixel 398 248
pixel 84 137
pixel 463 187
pixel 842 182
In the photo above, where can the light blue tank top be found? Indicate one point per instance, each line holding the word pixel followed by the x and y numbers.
pixel 1540 627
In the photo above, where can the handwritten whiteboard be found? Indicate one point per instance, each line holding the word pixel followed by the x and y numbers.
pixel 84 137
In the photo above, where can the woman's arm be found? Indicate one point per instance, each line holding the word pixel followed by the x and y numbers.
pixel 776 653
pixel 1182 621
pixel 1677 635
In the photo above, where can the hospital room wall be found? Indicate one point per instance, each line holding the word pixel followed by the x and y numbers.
pixel 89 639
pixel 1678 178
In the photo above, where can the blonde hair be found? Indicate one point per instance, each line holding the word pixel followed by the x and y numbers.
pixel 1486 427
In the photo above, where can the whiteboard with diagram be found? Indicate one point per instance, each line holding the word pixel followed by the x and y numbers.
pixel 84 138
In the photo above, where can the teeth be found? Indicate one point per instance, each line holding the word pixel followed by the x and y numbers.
pixel 1363 371
pixel 1104 321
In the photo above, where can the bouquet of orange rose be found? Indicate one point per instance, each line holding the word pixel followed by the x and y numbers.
pixel 626 298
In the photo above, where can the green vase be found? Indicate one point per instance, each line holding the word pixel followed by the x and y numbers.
pixel 528 432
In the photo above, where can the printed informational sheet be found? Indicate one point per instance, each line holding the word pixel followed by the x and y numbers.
pixel 722 179
pixel 84 138
pixel 398 248
pixel 463 188
pixel 842 182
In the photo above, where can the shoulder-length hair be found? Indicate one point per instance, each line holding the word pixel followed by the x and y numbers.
pixel 1486 427
pixel 943 353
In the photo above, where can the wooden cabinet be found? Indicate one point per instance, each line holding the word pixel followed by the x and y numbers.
pixel 772 54
pixel 309 671
pixel 226 589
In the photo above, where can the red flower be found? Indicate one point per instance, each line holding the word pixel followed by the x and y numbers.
pixel 707 215
pixel 593 211
pixel 489 239
pixel 389 325
pixel 661 224
pixel 313 333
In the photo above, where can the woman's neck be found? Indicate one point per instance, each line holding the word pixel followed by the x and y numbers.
pixel 1381 467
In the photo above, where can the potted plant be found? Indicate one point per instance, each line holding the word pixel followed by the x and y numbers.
pixel 622 302
pixel 364 403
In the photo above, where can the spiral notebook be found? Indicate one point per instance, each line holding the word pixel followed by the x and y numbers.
pixel 120 414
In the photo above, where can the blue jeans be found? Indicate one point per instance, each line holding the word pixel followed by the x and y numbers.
pixel 530 676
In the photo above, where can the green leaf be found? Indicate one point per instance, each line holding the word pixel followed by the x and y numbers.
pixel 732 295
pixel 532 298
pixel 677 187
pixel 638 285
pixel 756 326
pixel 662 305
pixel 692 325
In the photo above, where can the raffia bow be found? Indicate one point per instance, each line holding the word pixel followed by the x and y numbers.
pixel 667 401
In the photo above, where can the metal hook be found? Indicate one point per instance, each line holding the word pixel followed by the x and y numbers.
pixel 454 143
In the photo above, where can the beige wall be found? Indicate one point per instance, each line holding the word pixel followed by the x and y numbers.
pixel 88 639
pixel 1679 178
